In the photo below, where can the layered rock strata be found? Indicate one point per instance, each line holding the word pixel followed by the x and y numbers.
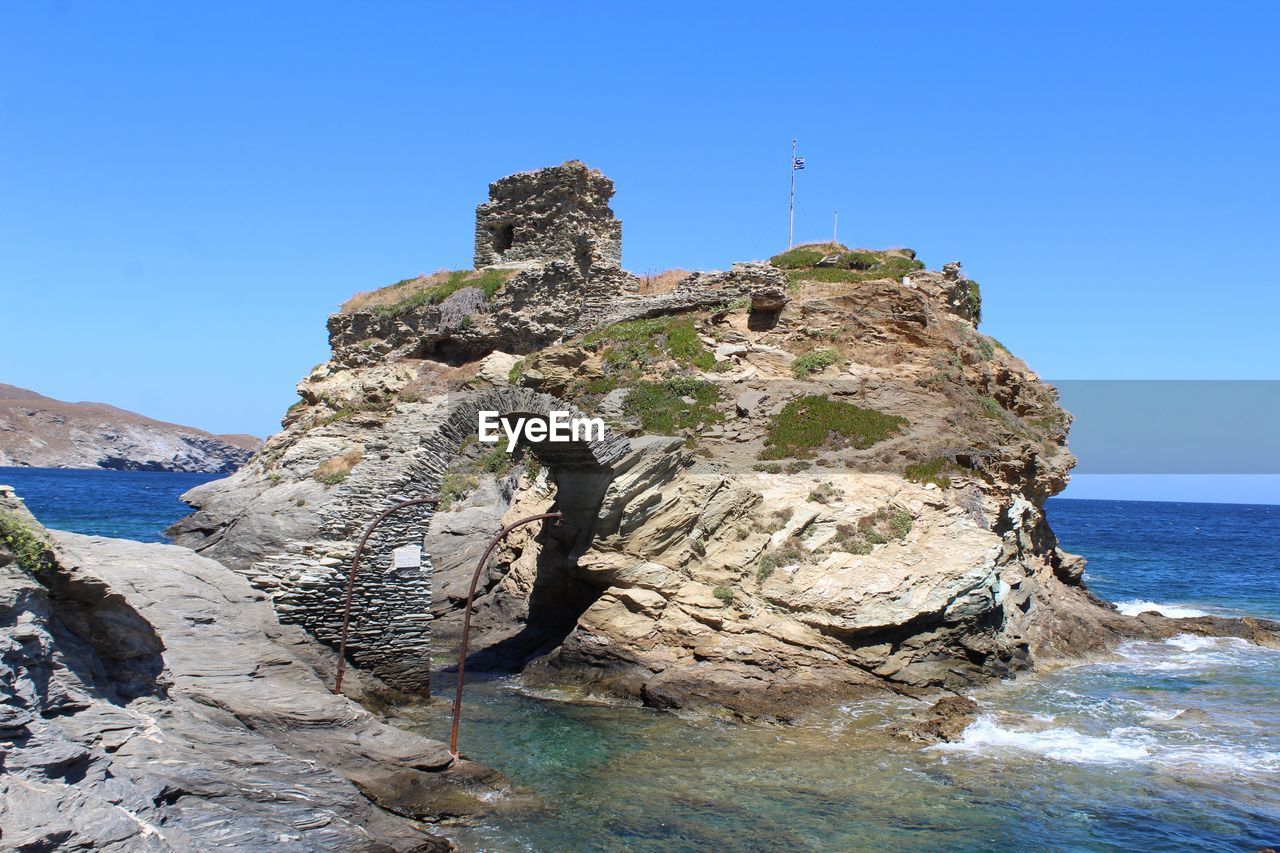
pixel 152 701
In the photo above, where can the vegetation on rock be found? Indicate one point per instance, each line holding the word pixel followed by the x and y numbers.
pixel 832 262
pixel 975 302
pixel 677 403
pixel 814 362
pixel 937 471
pixel 883 525
pixel 410 293
pixel 634 344
pixel 815 420
pixel 29 548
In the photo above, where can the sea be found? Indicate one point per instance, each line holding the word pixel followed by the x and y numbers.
pixel 1170 745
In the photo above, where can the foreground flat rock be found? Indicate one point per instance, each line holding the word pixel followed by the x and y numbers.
pixel 153 702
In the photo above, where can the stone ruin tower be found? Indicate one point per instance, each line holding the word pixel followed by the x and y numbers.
pixel 560 213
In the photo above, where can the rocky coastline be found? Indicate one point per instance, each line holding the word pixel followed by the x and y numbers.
pixel 819 481
pixel 152 701
pixel 40 432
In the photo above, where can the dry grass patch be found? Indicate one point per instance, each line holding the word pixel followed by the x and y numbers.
pixel 658 283
pixel 333 471
pixel 425 290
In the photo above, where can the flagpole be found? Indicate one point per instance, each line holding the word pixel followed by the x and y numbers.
pixel 791 216
pixel 835 230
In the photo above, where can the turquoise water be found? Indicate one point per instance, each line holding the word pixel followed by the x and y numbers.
pixel 1170 745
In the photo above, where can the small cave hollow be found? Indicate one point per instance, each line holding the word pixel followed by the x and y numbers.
pixel 560 592
pixel 504 236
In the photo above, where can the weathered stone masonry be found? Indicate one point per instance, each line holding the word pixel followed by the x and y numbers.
pixel 391 621
pixel 560 212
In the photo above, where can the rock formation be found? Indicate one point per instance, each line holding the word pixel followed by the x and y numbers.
pixel 150 700
pixel 41 432
pixel 820 478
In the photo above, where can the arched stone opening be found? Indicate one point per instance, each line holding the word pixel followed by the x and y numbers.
pixel 581 471
pixel 392 623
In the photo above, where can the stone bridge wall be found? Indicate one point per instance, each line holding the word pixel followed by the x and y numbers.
pixel 390 619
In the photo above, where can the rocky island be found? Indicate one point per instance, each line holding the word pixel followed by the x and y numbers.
pixel 41 432
pixel 817 481
pixel 819 478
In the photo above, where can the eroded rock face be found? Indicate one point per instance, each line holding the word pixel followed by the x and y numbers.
pixel 152 701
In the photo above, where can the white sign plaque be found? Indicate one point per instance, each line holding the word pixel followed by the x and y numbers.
pixel 407 557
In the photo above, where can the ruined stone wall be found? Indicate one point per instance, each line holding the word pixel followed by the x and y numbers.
pixel 558 213
pixel 390 632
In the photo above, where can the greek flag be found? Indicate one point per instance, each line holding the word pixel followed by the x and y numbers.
pixel 797 163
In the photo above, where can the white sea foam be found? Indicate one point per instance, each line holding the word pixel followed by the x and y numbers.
pixel 987 736
pixel 1172 611
pixel 1188 652
pixel 1196 643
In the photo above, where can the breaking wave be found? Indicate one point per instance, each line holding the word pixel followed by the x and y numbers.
pixel 1173 611
pixel 1154 706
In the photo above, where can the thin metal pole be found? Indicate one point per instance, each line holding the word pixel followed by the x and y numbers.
pixel 835 230
pixel 466 619
pixel 791 216
pixel 351 579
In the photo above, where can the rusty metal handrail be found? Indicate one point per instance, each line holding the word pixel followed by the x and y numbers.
pixel 466 619
pixel 351 580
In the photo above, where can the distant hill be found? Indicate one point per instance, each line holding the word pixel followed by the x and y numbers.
pixel 39 431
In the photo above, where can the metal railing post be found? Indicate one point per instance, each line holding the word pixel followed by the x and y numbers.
pixel 466 619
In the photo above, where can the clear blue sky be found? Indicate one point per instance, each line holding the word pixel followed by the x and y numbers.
pixel 186 193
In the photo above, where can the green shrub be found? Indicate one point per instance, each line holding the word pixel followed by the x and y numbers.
pixel 768 467
pixel 660 408
pixel 496 461
pixel 901 523
pixel 798 258
pixel 975 301
pixel 768 565
pixel 32 552
pixel 936 471
pixel 992 409
pixel 516 372
pixel 454 486
pixel 630 345
pixel 814 420
pixel 800 264
pixel 724 594
pixel 814 362
pixel 797 465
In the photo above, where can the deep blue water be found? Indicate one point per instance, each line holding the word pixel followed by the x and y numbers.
pixel 1171 745
pixel 124 504
pixel 1216 558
